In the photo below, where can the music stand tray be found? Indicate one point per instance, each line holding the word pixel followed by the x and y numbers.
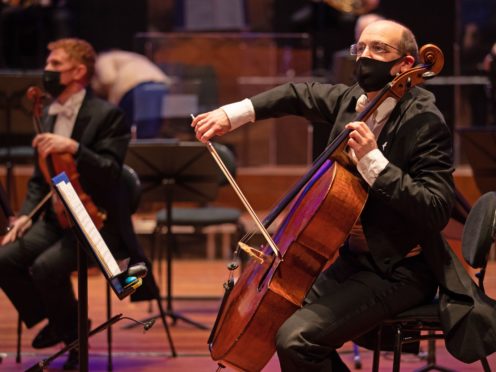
pixel 174 171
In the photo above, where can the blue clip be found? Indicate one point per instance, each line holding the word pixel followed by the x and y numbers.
pixel 130 279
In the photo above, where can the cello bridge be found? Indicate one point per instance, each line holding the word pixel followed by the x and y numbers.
pixel 253 252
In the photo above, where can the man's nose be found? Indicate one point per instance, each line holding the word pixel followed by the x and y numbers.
pixel 366 52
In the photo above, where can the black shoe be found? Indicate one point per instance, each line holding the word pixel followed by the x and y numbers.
pixel 46 337
pixel 72 362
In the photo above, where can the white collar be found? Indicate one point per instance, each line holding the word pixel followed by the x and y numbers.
pixel 70 107
pixel 382 112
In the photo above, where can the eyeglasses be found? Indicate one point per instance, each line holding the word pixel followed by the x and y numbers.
pixel 375 47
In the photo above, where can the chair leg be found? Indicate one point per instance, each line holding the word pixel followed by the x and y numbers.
pixel 398 343
pixel 431 358
pixel 19 337
pixel 377 351
pixel 109 329
pixel 485 365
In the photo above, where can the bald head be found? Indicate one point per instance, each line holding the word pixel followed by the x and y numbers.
pixel 365 20
pixel 391 33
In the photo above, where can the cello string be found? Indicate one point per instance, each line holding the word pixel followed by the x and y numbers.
pixel 243 199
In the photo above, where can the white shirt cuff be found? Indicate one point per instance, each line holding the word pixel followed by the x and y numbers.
pixel 371 165
pixel 239 113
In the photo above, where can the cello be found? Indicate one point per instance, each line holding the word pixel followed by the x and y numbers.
pixel 329 198
pixel 56 163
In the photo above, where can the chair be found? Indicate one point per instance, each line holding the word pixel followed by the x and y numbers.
pixel 132 184
pixel 479 234
pixel 203 218
pixel 12 156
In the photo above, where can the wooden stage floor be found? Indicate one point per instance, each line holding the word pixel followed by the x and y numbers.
pixel 135 350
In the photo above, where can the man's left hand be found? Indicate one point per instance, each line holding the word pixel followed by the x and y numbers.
pixel 49 143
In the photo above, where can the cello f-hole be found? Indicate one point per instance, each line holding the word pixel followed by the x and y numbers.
pixel 262 282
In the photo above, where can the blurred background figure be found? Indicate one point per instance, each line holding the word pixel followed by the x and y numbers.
pixel 136 85
pixel 473 50
pixel 343 63
pixel 489 66
pixel 26 26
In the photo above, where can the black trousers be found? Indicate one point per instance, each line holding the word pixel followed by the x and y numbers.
pixel 348 300
pixel 35 274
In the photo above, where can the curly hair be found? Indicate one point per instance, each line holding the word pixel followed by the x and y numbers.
pixel 78 50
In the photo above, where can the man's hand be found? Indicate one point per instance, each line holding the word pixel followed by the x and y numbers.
pixel 361 140
pixel 49 143
pixel 209 124
pixel 18 228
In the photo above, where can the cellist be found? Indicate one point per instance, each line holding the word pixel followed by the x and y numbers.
pixel 390 261
pixel 38 256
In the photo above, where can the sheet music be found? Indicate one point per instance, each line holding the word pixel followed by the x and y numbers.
pixel 89 229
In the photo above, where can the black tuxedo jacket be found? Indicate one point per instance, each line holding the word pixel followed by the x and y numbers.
pixel 411 200
pixel 103 136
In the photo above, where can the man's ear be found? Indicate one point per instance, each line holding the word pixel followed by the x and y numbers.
pixel 81 72
pixel 407 63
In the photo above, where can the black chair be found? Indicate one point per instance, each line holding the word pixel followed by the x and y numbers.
pixel 132 184
pixel 12 156
pixel 479 234
pixel 199 218
pixel 204 215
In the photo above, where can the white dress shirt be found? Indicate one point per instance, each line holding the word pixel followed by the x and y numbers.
pixel 66 113
pixel 369 166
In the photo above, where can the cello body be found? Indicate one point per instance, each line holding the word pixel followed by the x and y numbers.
pixel 265 295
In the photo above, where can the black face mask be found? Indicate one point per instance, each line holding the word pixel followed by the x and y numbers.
pixel 52 84
pixel 372 75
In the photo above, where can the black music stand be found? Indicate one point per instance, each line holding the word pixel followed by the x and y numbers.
pixel 173 171
pixel 479 145
pixel 88 240
pixel 16 124
pixel 5 214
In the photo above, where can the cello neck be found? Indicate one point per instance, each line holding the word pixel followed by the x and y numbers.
pixel 330 151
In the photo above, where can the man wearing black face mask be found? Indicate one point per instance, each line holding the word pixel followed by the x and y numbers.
pixel 37 256
pixel 394 257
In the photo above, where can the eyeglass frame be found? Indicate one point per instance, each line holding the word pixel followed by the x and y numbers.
pixel 354 52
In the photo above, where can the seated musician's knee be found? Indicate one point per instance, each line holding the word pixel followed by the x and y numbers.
pixel 8 262
pixel 289 339
pixel 43 270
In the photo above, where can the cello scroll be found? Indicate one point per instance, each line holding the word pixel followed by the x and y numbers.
pixel 431 63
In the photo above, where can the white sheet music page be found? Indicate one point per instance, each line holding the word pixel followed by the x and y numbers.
pixel 88 227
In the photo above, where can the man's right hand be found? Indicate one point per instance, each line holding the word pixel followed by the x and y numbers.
pixel 17 229
pixel 209 124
